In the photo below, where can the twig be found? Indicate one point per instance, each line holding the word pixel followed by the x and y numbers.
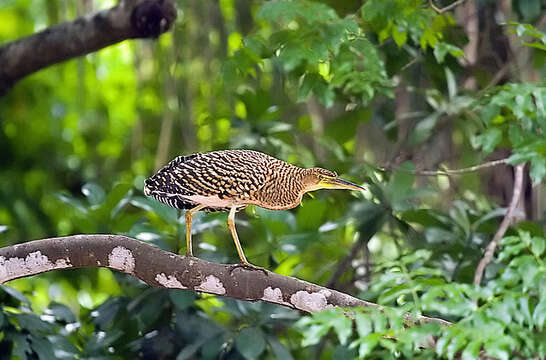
pixel 518 181
pixel 447 8
pixel 413 61
pixel 498 76
pixel 344 264
pixel 448 172
pixel 160 268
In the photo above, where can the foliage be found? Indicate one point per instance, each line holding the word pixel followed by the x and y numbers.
pixel 507 316
pixel 337 84
pixel 322 53
pixel 519 111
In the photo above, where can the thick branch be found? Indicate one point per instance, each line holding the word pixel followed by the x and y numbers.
pixel 128 20
pixel 490 251
pixel 160 268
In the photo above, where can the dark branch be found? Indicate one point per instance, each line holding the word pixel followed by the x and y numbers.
pixel 490 251
pixel 160 268
pixel 128 20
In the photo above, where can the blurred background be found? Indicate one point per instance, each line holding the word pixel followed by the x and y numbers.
pixel 372 90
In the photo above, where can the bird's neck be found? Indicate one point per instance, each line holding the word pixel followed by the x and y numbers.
pixel 284 188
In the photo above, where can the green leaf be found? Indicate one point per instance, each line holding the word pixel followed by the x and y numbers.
pixel 311 215
pixel 538 169
pixel 101 340
pixel 363 324
pixel 497 349
pixel 94 193
pixel 250 343
pixel 472 350
pixel 167 213
pixel 64 349
pixel 213 347
pixel 343 327
pixel 538 244
pixel 518 158
pixel 401 185
pixel 293 55
pixel 189 350
pixel 42 347
pixel 423 129
pixel 539 315
pixel 73 202
pixel 279 350
pixel 61 312
pixel 33 323
pixel 516 135
pixel 368 344
pixel 490 139
pixel 509 251
pixel 529 9
pixel 442 49
pixel 310 81
pixel 451 83
pixel 182 299
pixel 21 345
pixel 426 217
pixel 379 321
pixel 106 312
pixel 287 11
pixel 399 35
pixel 525 310
pixel 16 295
pixel 116 200
pixel 325 94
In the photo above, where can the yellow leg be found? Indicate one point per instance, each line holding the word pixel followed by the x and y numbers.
pixel 189 218
pixel 231 225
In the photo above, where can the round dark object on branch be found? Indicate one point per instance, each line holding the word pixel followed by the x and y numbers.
pixel 151 18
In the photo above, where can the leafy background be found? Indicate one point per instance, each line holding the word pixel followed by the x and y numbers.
pixel 373 90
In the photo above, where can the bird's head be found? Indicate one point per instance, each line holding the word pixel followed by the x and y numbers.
pixel 317 178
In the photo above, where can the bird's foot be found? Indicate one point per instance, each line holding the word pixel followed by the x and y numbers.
pixel 248 266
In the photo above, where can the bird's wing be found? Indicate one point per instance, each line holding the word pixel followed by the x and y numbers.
pixel 227 174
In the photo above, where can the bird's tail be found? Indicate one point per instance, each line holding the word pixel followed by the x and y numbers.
pixel 166 188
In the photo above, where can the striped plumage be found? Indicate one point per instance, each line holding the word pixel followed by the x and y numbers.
pixel 243 176
pixel 229 180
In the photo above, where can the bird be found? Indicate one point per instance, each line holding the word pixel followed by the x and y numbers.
pixel 229 180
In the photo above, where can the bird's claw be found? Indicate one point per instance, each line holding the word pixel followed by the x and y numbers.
pixel 248 266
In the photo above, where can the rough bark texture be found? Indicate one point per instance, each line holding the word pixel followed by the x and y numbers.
pixel 160 268
pixel 128 20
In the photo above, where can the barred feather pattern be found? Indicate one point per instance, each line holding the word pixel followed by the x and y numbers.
pixel 237 177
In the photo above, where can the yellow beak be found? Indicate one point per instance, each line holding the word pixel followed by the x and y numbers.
pixel 339 184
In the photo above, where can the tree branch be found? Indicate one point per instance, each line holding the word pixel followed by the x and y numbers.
pixel 518 182
pixel 128 20
pixel 160 268
pixel 449 172
pixel 444 9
